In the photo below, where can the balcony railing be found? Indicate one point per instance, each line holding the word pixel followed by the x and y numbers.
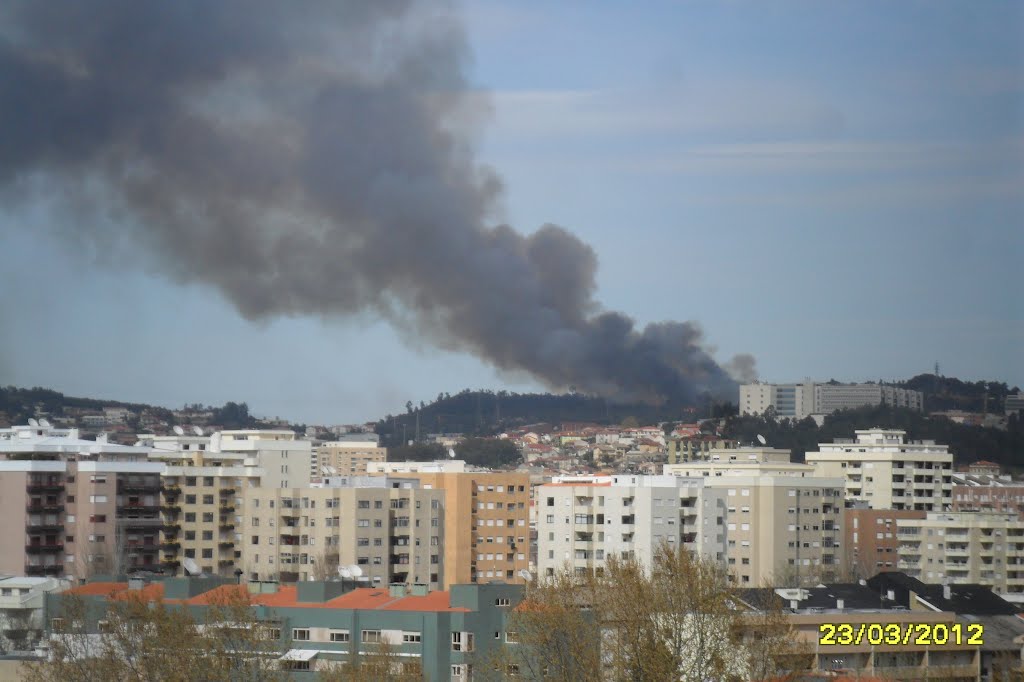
pixel 173 546
pixel 54 487
pixel 50 569
pixel 44 507
pixel 152 522
pixel 44 549
pixel 43 526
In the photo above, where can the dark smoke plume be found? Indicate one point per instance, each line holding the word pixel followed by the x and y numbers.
pixel 314 158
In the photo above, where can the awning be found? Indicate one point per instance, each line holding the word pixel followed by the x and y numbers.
pixel 300 655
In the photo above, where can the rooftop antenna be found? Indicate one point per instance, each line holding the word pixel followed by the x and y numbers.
pixel 32 422
pixel 45 423
pixel 526 575
pixel 451 453
pixel 355 571
pixel 344 572
pixel 761 440
pixel 198 430
pixel 178 430
pixel 191 567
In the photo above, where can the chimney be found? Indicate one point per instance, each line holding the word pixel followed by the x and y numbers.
pixel 891 595
pixel 947 592
pixel 840 604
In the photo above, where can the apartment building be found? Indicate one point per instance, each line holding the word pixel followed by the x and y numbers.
pixel 881 468
pixel 783 521
pixel 76 507
pixel 393 529
pixel 986 493
pixel 870 539
pixel 350 455
pixel 202 488
pixel 695 447
pixel 797 401
pixel 985 548
pixel 584 520
pixel 284 458
pixel 487 525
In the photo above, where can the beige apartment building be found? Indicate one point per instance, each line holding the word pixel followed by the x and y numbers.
pixel 965 547
pixel 881 468
pixel 487 523
pixel 284 458
pixel 783 522
pixel 392 529
pixel 582 521
pixel 350 456
pixel 201 489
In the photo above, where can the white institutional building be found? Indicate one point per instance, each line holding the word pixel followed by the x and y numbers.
pixel 797 401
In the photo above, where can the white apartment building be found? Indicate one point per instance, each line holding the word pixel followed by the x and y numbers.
pixel 23 611
pixel 881 468
pixel 284 458
pixel 797 401
pixel 581 521
pixel 965 547
pixel 445 466
pixel 783 521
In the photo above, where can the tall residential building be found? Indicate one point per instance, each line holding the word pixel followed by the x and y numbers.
pixel 392 529
pixel 584 520
pixel 797 401
pixel 202 488
pixel 783 522
pixel 695 447
pixel 487 526
pixel 996 496
pixel 348 456
pixel 76 507
pixel 984 548
pixel 284 458
pixel 881 468
pixel 870 539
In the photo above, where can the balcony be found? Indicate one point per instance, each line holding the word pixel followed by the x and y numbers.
pixel 43 488
pixel 226 562
pixel 171 509
pixel 45 507
pixel 37 569
pixel 137 508
pixel 152 522
pixel 226 544
pixel 171 528
pixel 138 486
pixel 43 526
pixel 170 490
pixel 288 576
pixel 170 564
pixel 227 509
pixel 227 526
pixel 172 546
pixel 227 491
pixel 44 548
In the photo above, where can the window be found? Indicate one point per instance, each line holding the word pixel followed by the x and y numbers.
pixel 512 637
pixel 462 641
pixel 501 601
pixel 370 636
pixel 207 499
pixel 207 517
pixel 300 634
pixel 190 499
pixel 97 498
pixel 410 637
pixel 340 636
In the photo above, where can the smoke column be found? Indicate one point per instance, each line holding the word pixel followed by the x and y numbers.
pixel 313 159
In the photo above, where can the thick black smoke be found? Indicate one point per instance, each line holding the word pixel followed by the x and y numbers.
pixel 314 158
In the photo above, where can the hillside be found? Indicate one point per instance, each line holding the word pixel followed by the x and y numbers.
pixel 488 412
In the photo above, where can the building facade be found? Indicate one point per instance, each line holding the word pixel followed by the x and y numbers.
pixel 985 548
pixel 871 541
pixel 348 456
pixel 583 521
pixel 392 529
pixel 797 401
pixel 885 471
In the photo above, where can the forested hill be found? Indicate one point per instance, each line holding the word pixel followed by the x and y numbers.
pixel 488 412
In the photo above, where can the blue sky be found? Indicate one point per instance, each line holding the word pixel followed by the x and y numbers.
pixel 837 188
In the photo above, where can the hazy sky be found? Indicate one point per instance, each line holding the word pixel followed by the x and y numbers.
pixel 837 188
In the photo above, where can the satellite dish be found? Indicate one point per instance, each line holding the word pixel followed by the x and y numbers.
pixel 355 571
pixel 191 567
pixel 198 430
pixel 451 453
pixel 178 430
pixel 32 422
pixel 344 572
pixel 45 423
pixel 761 440
pixel 526 575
